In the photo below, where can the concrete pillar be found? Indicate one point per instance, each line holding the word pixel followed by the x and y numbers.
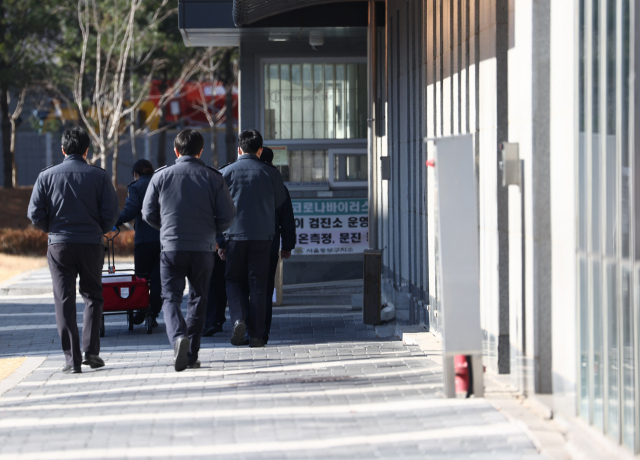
pixel 529 125
pixel 562 145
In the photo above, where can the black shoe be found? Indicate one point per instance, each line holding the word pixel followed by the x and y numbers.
pixel 195 365
pixel 139 317
pixel 213 329
pixel 66 369
pixel 154 323
pixel 257 343
pixel 180 351
pixel 238 338
pixel 93 361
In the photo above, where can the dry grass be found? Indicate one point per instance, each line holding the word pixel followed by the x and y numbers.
pixel 11 265
pixel 8 365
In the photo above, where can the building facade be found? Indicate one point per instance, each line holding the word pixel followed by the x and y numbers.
pixel 559 249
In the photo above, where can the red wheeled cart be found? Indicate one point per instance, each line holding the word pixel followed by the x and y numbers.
pixel 123 291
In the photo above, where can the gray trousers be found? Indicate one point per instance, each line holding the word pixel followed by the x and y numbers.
pixel 196 266
pixel 66 262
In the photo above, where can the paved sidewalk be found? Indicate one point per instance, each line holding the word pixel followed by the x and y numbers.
pixel 325 387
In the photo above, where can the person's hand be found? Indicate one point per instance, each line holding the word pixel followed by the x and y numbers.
pixel 221 253
pixel 285 254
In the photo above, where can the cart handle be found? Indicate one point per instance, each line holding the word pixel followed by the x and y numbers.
pixel 111 252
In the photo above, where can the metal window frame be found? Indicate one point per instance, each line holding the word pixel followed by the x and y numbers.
pixel 344 184
pixel 297 59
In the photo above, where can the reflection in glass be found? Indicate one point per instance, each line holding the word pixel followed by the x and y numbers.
pixel 598 346
pixel 582 161
pixel 584 340
pixel 595 127
pixel 611 157
pixel 357 167
pixel 624 132
pixel 613 354
pixel 350 168
pixel 628 379
pixel 306 166
pixel 315 101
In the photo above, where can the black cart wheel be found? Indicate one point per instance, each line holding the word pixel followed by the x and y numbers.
pixel 130 320
pixel 102 327
pixel 148 324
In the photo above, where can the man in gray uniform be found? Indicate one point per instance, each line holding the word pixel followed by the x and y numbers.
pixel 189 203
pixel 257 190
pixel 76 204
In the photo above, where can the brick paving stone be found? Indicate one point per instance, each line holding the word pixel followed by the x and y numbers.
pixel 325 387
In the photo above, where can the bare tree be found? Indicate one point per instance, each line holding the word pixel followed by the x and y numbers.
pixel 208 75
pixel 10 140
pixel 107 113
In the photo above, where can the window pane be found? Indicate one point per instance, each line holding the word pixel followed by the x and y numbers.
pixel 628 380
pixel 598 347
pixel 595 125
pixel 315 101
pixel 613 354
pixel 340 102
pixel 356 170
pixel 584 340
pixel 624 131
pixel 330 108
pixel 306 166
pixel 307 102
pixel 582 161
pixel 296 102
pixel 319 103
pixel 285 104
pixel 611 172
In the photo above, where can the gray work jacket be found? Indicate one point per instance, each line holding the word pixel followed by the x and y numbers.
pixel 189 203
pixel 74 202
pixel 257 190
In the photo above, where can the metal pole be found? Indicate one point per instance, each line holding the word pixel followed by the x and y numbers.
pixel 373 176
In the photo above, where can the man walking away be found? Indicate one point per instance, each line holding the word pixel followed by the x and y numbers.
pixel 257 190
pixel 76 204
pixel 189 203
pixel 285 228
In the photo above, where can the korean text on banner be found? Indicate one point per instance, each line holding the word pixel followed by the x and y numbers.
pixel 331 226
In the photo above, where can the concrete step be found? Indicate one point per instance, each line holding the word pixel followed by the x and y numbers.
pixel 328 288
pixel 328 293
pixel 325 299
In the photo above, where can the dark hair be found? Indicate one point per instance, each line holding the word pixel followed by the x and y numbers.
pixel 142 168
pixel 267 155
pixel 250 141
pixel 189 142
pixel 75 141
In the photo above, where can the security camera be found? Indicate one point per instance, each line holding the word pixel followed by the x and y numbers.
pixel 316 39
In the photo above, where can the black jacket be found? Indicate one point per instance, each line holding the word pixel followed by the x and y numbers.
pixel 257 190
pixel 74 202
pixel 285 226
pixel 145 233
pixel 189 203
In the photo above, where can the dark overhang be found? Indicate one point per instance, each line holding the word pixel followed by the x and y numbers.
pixel 210 22
pixel 249 11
